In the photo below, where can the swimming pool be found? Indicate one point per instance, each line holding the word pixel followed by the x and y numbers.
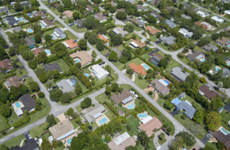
pixel 145 66
pixel 74 82
pixel 102 121
pixel 229 63
pixel 41 25
pixel 131 106
pixel 69 140
pixel 216 69
pixel 166 82
pixel 87 75
pixel 77 60
pixel 30 30
pixel 142 115
pixel 47 52
pixel 29 14
pixel 20 19
pixel 202 60
pixel 53 37
pixel 18 105
pixel 229 46
pixel 224 131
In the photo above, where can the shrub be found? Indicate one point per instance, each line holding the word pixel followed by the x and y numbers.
pixel 41 95
pixel 112 109
pixel 86 103
pixel 220 145
pixel 22 121
pixel 203 80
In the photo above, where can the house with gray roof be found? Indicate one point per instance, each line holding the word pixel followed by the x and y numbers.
pixel 182 95
pixel 226 72
pixel 79 23
pixel 4 9
pixel 117 51
pixel 119 30
pixel 138 22
pixel 131 1
pixel 186 17
pixel 170 23
pixel 185 33
pixel 66 85
pixel 197 55
pixel 52 67
pixel 12 20
pixel 141 8
pixel 169 40
pixel 225 1
pixel 156 15
pixel 210 47
pixel 92 113
pixel 17 29
pixel 187 107
pixel 59 33
pixel 100 17
pixel 179 74
pixel 160 87
pixel 30 42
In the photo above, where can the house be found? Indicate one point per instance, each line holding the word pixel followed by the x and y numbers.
pixel 182 95
pixel 138 22
pixel 156 57
pixel 66 85
pixel 185 33
pixel 186 17
pixel 139 69
pixel 221 136
pixel 68 13
pixel 117 51
pixel 23 4
pixel 141 8
pixel 150 125
pixel 62 130
pixel 12 20
pixel 160 86
pixel 217 19
pixel 226 1
pixel 52 67
pixel 12 81
pixel 29 145
pixel 170 23
pixel 226 59
pixel 56 5
pixel 121 142
pixel 124 97
pixel 82 57
pixel 51 1
pixel 203 14
pixel 100 17
pixel 177 73
pixel 137 43
pixel 119 30
pixel 36 51
pixel 197 55
pixel 30 42
pixel 79 23
pixel 223 41
pixel 227 12
pixel 131 1
pixel 152 30
pixel 39 13
pixel 205 91
pixel 99 72
pixel 169 40
pixel 71 44
pixel 203 25
pixel 92 113
pixel 210 47
pixel 4 9
pixel 227 107
pixel 47 23
pixel 17 29
pixel 103 37
pixel 121 112
pixel 6 64
pixel 89 8
pixel 59 33
pixel 156 15
pixel 226 72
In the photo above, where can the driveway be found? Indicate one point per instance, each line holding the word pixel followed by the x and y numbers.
pixel 156 137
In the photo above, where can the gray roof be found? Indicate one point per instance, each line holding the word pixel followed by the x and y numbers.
pixel 23 4
pixel 186 106
pixel 28 102
pixel 177 71
pixel 185 16
pixel 117 51
pixel 210 47
pixel 226 1
pixel 59 32
pixel 11 20
pixel 139 6
pixel 17 29
pixel 30 41
pixel 164 90
pixel 131 1
pixel 226 72
pixel 4 9
pixel 169 40
pixel 170 23
pixel 51 67
pixel 79 22
pixel 156 15
pixel 93 112
pixel 66 85
pixel 182 94
pixel 185 32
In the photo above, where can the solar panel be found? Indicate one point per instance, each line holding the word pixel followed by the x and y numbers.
pixel 25 99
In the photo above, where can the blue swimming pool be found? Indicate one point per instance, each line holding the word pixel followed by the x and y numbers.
pixel 41 25
pixel 30 30
pixel 87 75
pixel 102 121
pixel 145 66
pixel 18 105
pixel 77 60
pixel 29 14
pixel 131 106
pixel 216 69
pixel 21 19
pixel 47 52
pixel 74 82
pixel 53 37
pixel 69 140
pixel 166 82
pixel 223 130
pixel 229 46
pixel 229 63
pixel 202 60
pixel 142 115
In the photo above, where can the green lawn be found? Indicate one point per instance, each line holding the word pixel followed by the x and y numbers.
pixel 62 64
pixel 133 123
pixel 163 46
pixel 28 80
pixel 5 26
pixel 153 38
pixel 70 35
pixel 75 125
pixel 3 124
pixel 58 24
pixel 146 56
pixel 141 83
pixel 171 65
pixel 77 29
pixel 50 16
pixel 137 61
pixel 225 118
pixel 109 113
pixel 48 32
pixel 55 11
pixel 52 81
pixel 193 102
pixel 130 35
pixel 119 65
pixel 37 131
pixel 15 141
pixel 213 145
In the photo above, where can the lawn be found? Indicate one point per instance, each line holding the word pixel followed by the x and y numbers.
pixel 55 11
pixel 38 130
pixel 70 35
pixel 146 56
pixel 121 47
pixel 28 80
pixel 193 102
pixel 133 123
pixel 58 24
pixel 5 26
pixel 15 141
pixel 48 32
pixel 141 83
pixel 225 118
pixel 130 35
pixel 171 65
pixel 137 61
pixel 119 65
pixel 77 29
pixel 62 64
pixel 3 123
pixel 109 113
pixel 50 17
pixel 51 81
pixel 163 46
pixel 21 72
pixel 213 145
pixel 153 38
pixel 75 125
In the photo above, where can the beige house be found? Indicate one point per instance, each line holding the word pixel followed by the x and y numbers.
pixel 82 57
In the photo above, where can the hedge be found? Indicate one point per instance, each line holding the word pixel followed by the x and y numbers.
pixel 51 58
pixel 69 64
pixel 93 63
pixel 22 121
pixel 112 109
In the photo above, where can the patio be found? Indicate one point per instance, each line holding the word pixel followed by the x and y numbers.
pixel 104 117
pixel 129 103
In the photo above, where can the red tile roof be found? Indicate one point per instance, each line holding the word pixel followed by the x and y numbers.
pixel 71 43
pixel 152 124
pixel 138 68
pixel 200 24
pixel 36 51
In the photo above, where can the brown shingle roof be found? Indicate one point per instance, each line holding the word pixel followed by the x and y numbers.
pixel 164 90
pixel 14 81
pixel 122 9
pixel 6 64
pixel 139 69
pixel 157 55
pixel 48 22
pixel 208 93
pixel 68 13
pixel 152 30
pixel 223 41
pixel 83 56
pixel 222 138
pixel 194 55
pixel 36 51
pixel 138 42
pixel 90 8
pixel 56 5
pixel 148 127
pixel 118 98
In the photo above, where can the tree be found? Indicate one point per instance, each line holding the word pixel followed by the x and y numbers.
pixel 199 117
pixel 108 68
pixel 18 6
pixel 114 87
pixel 42 57
pixel 46 144
pixel 215 36
pixel 60 49
pixel 78 89
pixel 43 77
pixel 51 120
pixel 112 9
pixel 131 148
pixel 213 120
pixel 116 39
pixel 32 64
pixel 38 105
pixel 54 143
pixel 162 136
pixel 94 54
pixel 76 15
pixel 220 145
pixel 100 45
pixel 35 3
pixel 152 19
pixel 121 15
pixel 168 104
pixel 207 147
pixel 70 111
pixel 4 147
pixel 108 90
pixel 129 28
pixel 143 138
pixel 5 110
pixel 113 56
pixel 163 63
pixel 41 94
pixel 188 139
pixel 48 38
pixel 197 35
pixel 86 103
pixel 34 87
pixel 129 71
pixel 60 8
pixel 177 143
pixel 83 44
pixel 55 94
pixel 65 98
pixel 38 38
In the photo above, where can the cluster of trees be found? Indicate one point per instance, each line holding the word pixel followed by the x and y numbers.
pixel 86 103
pixel 131 9
pixel 113 88
pixel 110 8
pixel 57 95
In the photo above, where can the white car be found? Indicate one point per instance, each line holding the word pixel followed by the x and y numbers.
pixel 29 136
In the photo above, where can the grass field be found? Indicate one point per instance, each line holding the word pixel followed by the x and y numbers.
pixel 58 24
pixel 141 83
pixel 133 123
pixel 15 141
pixel 225 118
pixel 146 56
pixel 3 124
pixel 62 64
pixel 77 29
pixel 70 35
pixel 213 145
pixel 109 113
pixel 37 131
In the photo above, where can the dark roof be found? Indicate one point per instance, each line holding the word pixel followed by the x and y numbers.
pixel 79 22
pixel 17 29
pixel 156 15
pixel 119 98
pixel 23 4
pixel 210 47
pixel 52 67
pixel 204 90
pixel 222 138
pixel 28 102
pixel 157 57
pixel 194 55
pixel 6 64
pixel 56 5
pixel 226 58
pixel 11 20
pixel 227 107
pixel 30 41
pixel 29 145
pixel 226 72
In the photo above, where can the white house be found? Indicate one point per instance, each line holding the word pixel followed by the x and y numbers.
pixel 217 19
pixel 186 33
pixel 99 72
pixel 227 12
pixel 202 13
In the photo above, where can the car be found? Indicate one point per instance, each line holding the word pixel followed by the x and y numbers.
pixel 29 136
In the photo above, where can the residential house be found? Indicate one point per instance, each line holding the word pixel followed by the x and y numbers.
pixel 156 57
pixel 99 72
pixel 71 44
pixel 208 93
pixel 66 85
pixel 227 12
pixel 169 40
pixel 6 64
pixel 203 25
pixel 217 19
pixel 56 5
pixel 185 33
pixel 226 59
pixel 51 1
pixel 79 23
pixel 117 51
pixel 170 23
pixel 121 142
pixel 152 30
pixel 138 22
pixel 182 95
pixel 225 1
pixel 23 4
pixel 4 9
pixel 137 43
pixel 221 136
pixel 47 23
pixel 103 37
pixel 139 69
pixel 82 57
pixel 210 47
pixel 68 14
pixel 150 125
pixel 120 31
pixel 131 1
pixel 154 2
pixel 227 107
pixel 121 112
pixel 39 13
pixel 141 8
pixel 89 8
pixel 156 15
pixel 160 86
pixel 62 130
pixel 124 97
pixel 17 29
pixel 186 17
pixel 178 73
pixel 92 113
pixel 59 33
pixel 226 72
pixel 28 145
pixel 12 20
pixel 52 67
pixel 100 17
pixel 203 14
pixel 36 51
pixel 12 81
pixel 197 55
pixel 30 42
pixel 223 41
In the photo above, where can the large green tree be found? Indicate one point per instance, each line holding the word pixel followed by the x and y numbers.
pixel 65 98
pixel 213 120
pixel 42 57
pixel 113 56
pixel 199 117
pixel 86 103
pixel 55 94
pixel 5 110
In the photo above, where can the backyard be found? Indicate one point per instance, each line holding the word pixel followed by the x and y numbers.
pixel 62 64
pixel 3 123
pixel 14 142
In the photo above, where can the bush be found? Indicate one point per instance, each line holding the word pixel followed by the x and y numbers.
pixel 112 109
pixel 203 80
pixel 220 145
pixel 41 94
pixel 22 121
pixel 86 103
pixel 32 64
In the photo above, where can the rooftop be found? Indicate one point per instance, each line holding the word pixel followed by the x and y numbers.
pixel 68 13
pixel 99 71
pixel 103 37
pixel 169 40
pixel 17 29
pixel 29 145
pixel 119 98
pixel 221 137
pixel 160 87
pixel 170 23
pixel 117 51
pixel 152 30
pixel 139 6
pixel 148 127
pixel 83 56
pixel 30 41
pixel 6 64
pixel 28 102
pixel 138 42
pixel 177 71
pixel 185 32
pixel 156 15
pixel 226 72
pixel 51 67
pixel 196 55
pixel 36 51
pixel 99 16
pixel 48 22
pixel 210 47
pixel 13 81
pixel 66 85
pixel 223 41
pixel 204 90
pixel 93 112
pixel 189 109
pixel 71 43
pixel 139 69
pixel 119 30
